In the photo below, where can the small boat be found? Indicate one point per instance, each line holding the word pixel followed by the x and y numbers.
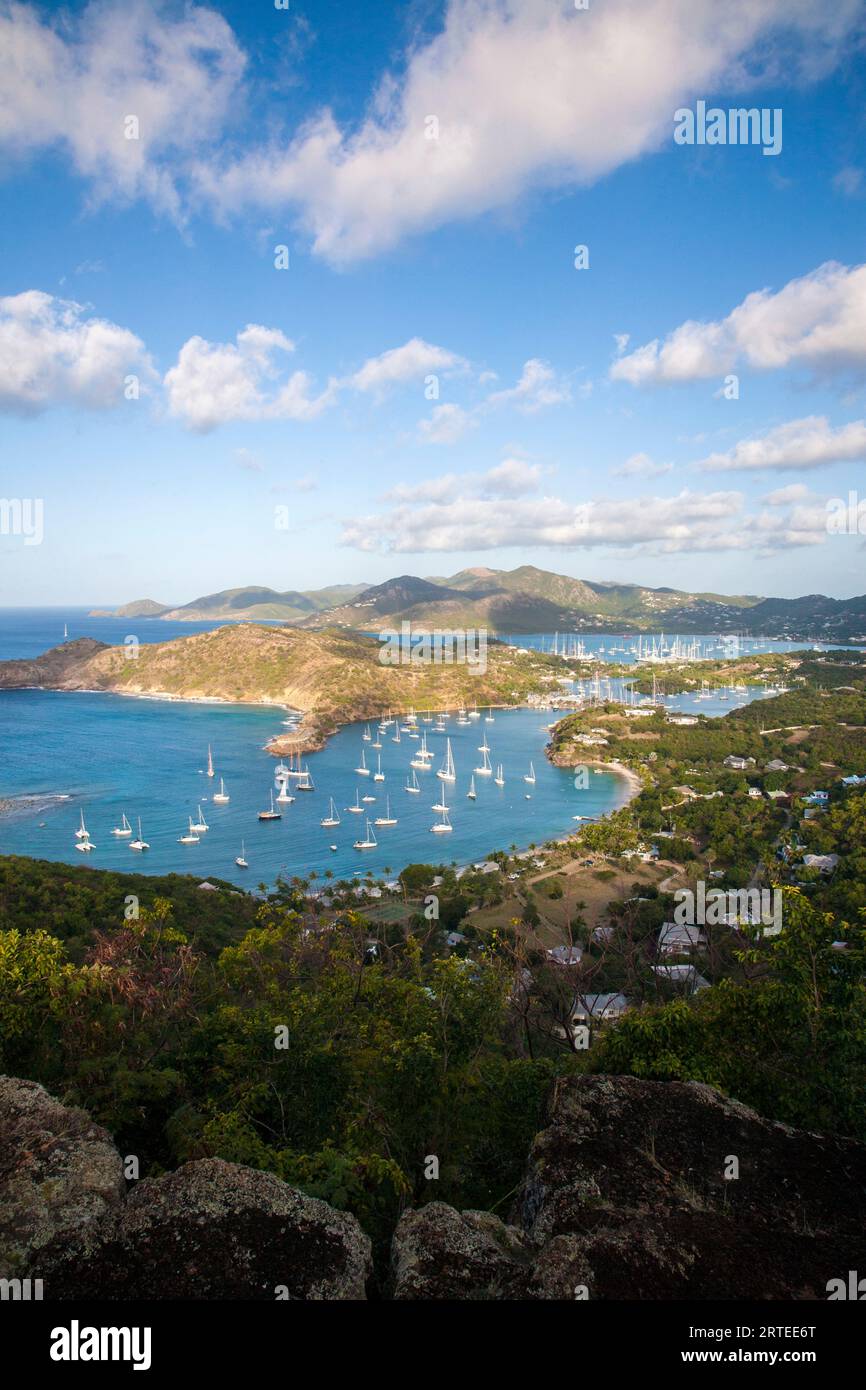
pixel 241 860
pixel 357 809
pixel 499 778
pixel 444 825
pixel 331 818
pixel 370 842
pixel 447 772
pixel 387 819
pixel 333 847
pixel 473 713
pixel 485 770
pixel 395 737
pixel 362 769
pixel 272 814
pixel 412 784
pixel 471 791
pixel 488 718
pixel 201 824
pixel 378 775
pixel 210 771
pixel 366 735
pixel 190 838
pixel 368 797
pixel 221 796
pixel 140 844
pixel 82 833
pixel 441 805
pixel 306 784
pixel 123 829
pixel 530 775
pixel 85 845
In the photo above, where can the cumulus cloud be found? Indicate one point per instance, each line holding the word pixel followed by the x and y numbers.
pixel 687 522
pixel 445 425
pixel 817 321
pixel 641 466
pixel 510 478
pixel 523 94
pixel 70 82
pixel 215 383
pixel 538 386
pixel 410 362
pixel 52 353
pixel 808 443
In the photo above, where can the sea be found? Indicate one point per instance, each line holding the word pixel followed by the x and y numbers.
pixel 68 754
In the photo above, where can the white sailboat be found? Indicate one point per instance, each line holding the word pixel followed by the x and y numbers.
pixel 357 809
pixel 485 770
pixel 499 779
pixel 124 828
pixel 447 772
pixel 210 771
pixel 387 819
pixel 363 770
pixel 474 713
pixel 82 833
pixel 190 838
pixel 378 775
pixel 412 783
pixel 471 791
pixel 331 818
pixel 305 783
pixel 366 735
pixel 241 860
pixel 441 804
pixel 530 775
pixel 488 718
pixel 444 825
pixel 221 797
pixel 140 844
pixel 272 814
pixel 395 737
pixel 85 846
pixel 201 824
pixel 370 841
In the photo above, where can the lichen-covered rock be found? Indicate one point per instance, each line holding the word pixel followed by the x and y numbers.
pixel 59 1173
pixel 653 1190
pixel 214 1230
pixel 445 1254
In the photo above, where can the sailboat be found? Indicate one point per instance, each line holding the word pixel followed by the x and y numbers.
pixel 221 796
pixel 210 771
pixel 424 752
pixel 82 833
pixel 357 809
pixel 446 771
pixel 370 842
pixel 65 633
pixel 485 770
pixel 272 814
pixel 488 718
pixel 363 770
pixel 190 838
pixel 395 737
pixel 85 846
pixel 499 778
pixel 241 860
pixel 331 818
pixel 124 828
pixel 378 775
pixel 140 843
pixel 201 824
pixel 366 735
pixel 442 804
pixel 530 775
pixel 412 784
pixel 444 825
pixel 471 791
pixel 387 819
pixel 306 783
pixel 473 713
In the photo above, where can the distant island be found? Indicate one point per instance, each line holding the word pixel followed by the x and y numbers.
pixel 526 599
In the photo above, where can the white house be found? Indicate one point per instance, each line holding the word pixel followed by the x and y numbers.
pixel 685 976
pixel 677 939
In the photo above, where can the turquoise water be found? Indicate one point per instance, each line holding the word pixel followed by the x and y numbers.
pixel 106 754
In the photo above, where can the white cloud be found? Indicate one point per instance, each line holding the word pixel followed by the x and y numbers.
pixel 808 443
pixel 446 425
pixel 527 94
pixel 410 362
pixel 641 466
pixel 215 383
pixel 817 321
pixel 783 496
pixel 52 354
pixel 538 386
pixel 688 522
pixel 71 82
pixel 512 478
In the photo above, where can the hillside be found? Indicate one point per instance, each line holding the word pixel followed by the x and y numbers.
pixel 332 677
pixel 253 603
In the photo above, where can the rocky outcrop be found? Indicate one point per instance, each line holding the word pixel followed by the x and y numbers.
pixel 59 1174
pixel 626 1197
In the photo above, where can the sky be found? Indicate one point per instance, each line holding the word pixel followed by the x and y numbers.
pixel 295 295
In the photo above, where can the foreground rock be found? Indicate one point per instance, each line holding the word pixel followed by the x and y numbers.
pixel 626 1197
pixel 214 1230
pixel 59 1173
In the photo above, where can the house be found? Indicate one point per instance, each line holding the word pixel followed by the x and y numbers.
pixel 755 793
pixel 683 719
pixel 598 1006
pixel 209 887
pixel 566 955
pixel 825 862
pixel 776 765
pixel 686 977
pixel 455 938
pixel 680 940
pixel 739 764
pixel 778 795
pixel 817 798
pixel 853 781
pixel 603 934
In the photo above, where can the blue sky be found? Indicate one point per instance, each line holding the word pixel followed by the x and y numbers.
pixel 581 422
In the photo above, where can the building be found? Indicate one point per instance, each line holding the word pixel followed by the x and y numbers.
pixel 733 760
pixel 685 977
pixel 598 1006
pixel 566 955
pixel 825 862
pixel 680 940
pixel 776 765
